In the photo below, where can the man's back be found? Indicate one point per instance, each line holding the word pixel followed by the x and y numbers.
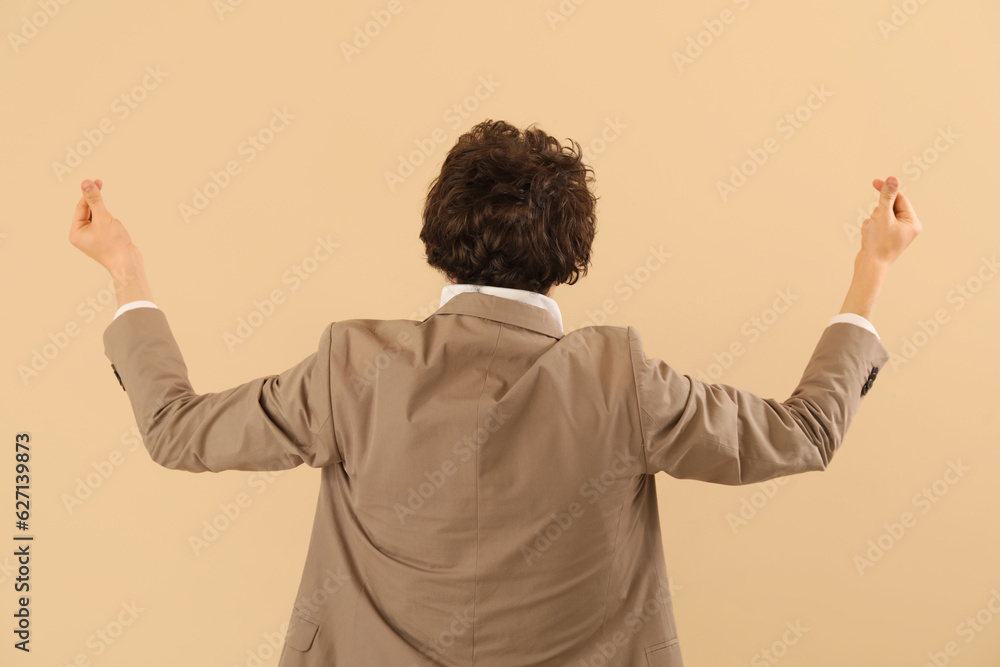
pixel 487 493
pixel 493 487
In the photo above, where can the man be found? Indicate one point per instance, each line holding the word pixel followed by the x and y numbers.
pixel 488 493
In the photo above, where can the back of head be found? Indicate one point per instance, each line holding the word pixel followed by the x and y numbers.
pixel 510 209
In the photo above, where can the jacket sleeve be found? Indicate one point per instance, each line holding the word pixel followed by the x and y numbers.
pixel 718 433
pixel 274 422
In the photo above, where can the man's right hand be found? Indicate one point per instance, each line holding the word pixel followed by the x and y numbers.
pixel 892 226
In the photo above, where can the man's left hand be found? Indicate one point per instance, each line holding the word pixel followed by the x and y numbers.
pixel 103 237
pixel 97 233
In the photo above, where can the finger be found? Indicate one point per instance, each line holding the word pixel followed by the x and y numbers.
pixel 903 205
pixel 878 184
pixel 889 190
pixel 82 213
pixel 94 200
pixel 99 185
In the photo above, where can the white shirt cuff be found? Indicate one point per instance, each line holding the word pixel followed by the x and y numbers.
pixel 133 304
pixel 854 318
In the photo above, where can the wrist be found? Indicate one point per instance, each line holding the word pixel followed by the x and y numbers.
pixel 869 264
pixel 129 275
pixel 869 272
pixel 125 259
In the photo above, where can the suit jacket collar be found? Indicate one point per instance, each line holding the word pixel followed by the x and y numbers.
pixel 501 309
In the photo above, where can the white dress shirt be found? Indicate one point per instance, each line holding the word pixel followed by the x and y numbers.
pixel 533 298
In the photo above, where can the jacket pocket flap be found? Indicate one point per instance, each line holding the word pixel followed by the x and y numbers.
pixel 665 654
pixel 301 631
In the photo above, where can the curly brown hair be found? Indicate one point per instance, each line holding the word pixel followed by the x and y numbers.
pixel 510 209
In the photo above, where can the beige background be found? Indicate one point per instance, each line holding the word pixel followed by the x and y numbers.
pixel 680 130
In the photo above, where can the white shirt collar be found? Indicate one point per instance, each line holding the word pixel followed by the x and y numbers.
pixel 525 296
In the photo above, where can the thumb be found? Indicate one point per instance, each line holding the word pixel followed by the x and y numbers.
pixel 904 209
pixel 889 190
pixel 92 193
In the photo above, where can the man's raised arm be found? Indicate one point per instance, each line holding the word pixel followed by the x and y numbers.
pixel 722 434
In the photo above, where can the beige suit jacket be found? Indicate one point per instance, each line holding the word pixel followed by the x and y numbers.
pixel 488 494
